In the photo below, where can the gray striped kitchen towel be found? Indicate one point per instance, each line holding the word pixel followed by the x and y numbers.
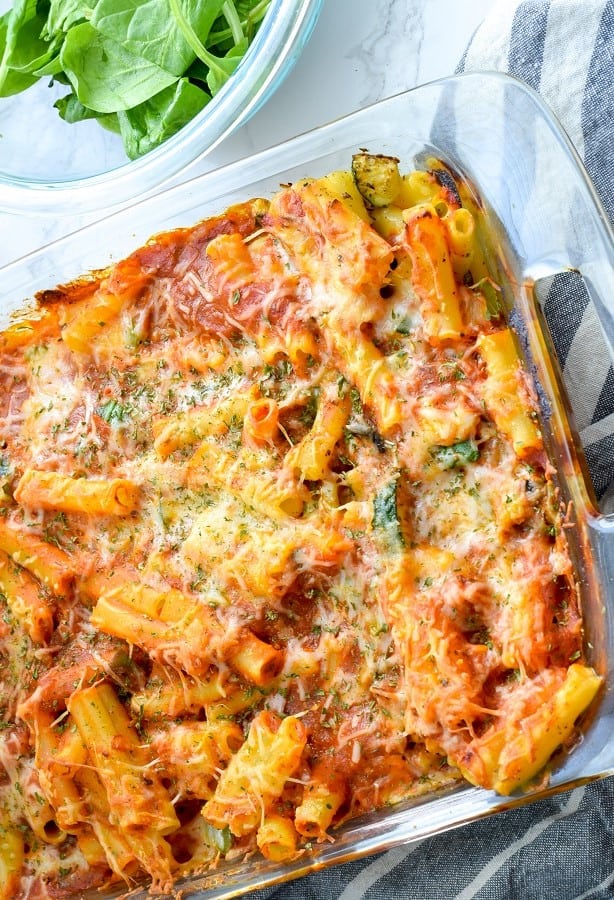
pixel 561 848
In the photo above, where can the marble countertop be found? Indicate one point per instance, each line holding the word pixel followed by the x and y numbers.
pixel 361 51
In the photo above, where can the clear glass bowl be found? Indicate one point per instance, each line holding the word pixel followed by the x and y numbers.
pixel 47 165
pixel 540 210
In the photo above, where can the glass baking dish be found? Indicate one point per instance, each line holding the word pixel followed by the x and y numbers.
pixel 541 215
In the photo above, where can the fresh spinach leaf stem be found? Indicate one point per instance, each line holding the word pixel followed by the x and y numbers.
pixel 229 12
pixel 195 43
pixel 252 18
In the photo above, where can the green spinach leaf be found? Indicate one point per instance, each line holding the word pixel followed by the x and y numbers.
pixel 104 75
pixel 386 516
pixel 24 50
pixel 65 13
pixel 457 454
pixel 214 71
pixel 492 295
pixel 220 69
pixel 72 110
pixel 150 29
pixel 160 117
pixel 11 82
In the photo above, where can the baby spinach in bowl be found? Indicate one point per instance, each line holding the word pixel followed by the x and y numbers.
pixel 69 166
pixel 142 69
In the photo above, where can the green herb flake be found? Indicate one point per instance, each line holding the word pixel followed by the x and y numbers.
pixel 112 411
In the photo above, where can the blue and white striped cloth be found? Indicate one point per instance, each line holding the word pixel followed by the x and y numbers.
pixel 561 848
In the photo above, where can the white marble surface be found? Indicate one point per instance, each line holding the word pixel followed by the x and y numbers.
pixel 361 51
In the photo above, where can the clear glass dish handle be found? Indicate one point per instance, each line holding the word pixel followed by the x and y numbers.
pixel 533 181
